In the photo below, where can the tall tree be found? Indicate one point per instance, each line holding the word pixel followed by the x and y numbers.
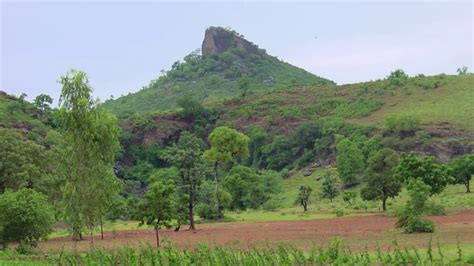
pixel 381 181
pixel 91 135
pixel 350 161
pixel 43 101
pixel 463 169
pixel 186 156
pixel 158 206
pixel 435 175
pixel 228 146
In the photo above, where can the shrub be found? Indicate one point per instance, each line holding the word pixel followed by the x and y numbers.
pixel 419 226
pixel 339 212
pixel 271 205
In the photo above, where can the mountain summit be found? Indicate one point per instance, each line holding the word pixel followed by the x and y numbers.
pixel 227 61
pixel 218 40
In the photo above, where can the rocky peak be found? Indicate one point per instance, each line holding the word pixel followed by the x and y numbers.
pixel 219 39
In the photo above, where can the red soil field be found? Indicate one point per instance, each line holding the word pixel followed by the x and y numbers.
pixel 356 232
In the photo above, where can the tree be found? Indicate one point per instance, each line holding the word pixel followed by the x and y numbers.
pixel 463 71
pixel 331 186
pixel 23 163
pixel 463 169
pixel 91 135
pixel 192 108
pixel 158 207
pixel 243 84
pixel 381 181
pixel 228 146
pixel 187 157
pixel 349 161
pixel 25 216
pixel 435 175
pixel 43 101
pixel 409 217
pixel 349 197
pixel 303 196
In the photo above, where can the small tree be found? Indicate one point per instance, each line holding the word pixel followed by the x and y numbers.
pixel 349 162
pixel 463 70
pixel 303 196
pixel 25 216
pixel 331 186
pixel 403 125
pixel 158 207
pixel 43 101
pixel 463 169
pixel 409 217
pixel 228 146
pixel 349 197
pixel 381 182
pixel 243 84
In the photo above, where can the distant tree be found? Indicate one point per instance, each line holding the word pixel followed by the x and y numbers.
pixel 303 196
pixel 186 156
pixel 43 101
pixel 381 181
pixel 435 175
pixel 463 169
pixel 397 77
pixel 158 207
pixel 243 84
pixel 91 136
pixel 23 102
pixel 192 108
pixel 228 146
pixel 349 197
pixel 463 71
pixel 349 161
pixel 25 216
pixel 331 186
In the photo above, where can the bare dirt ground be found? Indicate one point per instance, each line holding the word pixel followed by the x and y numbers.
pixel 356 232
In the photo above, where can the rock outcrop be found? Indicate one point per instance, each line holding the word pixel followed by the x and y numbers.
pixel 218 40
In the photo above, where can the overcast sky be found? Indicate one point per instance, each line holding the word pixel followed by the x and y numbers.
pixel 124 45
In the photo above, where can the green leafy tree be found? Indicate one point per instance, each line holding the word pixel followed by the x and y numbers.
pixel 349 197
pixel 43 101
pixel 331 186
pixel 382 183
pixel 463 170
pixel 228 146
pixel 243 84
pixel 25 216
pixel 409 217
pixel 91 135
pixel 304 196
pixel 158 207
pixel 349 161
pixel 435 175
pixel 23 163
pixel 186 156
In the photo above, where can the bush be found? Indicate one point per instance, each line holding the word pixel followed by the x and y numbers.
pixel 339 212
pixel 435 208
pixel 271 205
pixel 419 226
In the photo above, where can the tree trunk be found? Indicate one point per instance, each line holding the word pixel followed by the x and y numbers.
pixel 468 188
pixel 191 216
pixel 101 228
pixel 217 203
pixel 92 238
pixel 384 204
pixel 157 237
pixel 305 206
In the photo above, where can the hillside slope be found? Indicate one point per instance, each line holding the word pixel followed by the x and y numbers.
pixel 229 64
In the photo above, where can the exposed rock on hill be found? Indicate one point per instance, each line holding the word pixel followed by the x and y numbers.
pixel 218 40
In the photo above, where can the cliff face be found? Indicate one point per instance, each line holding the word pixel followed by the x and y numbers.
pixel 218 40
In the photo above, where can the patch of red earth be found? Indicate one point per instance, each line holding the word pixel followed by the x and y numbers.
pixel 356 232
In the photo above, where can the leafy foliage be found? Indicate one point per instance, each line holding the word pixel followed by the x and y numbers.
pixel 331 185
pixel 463 169
pixel 350 161
pixel 304 196
pixel 25 216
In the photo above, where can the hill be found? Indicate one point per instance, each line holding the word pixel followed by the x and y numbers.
pixel 228 66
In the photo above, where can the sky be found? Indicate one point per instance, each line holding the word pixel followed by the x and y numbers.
pixel 122 45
